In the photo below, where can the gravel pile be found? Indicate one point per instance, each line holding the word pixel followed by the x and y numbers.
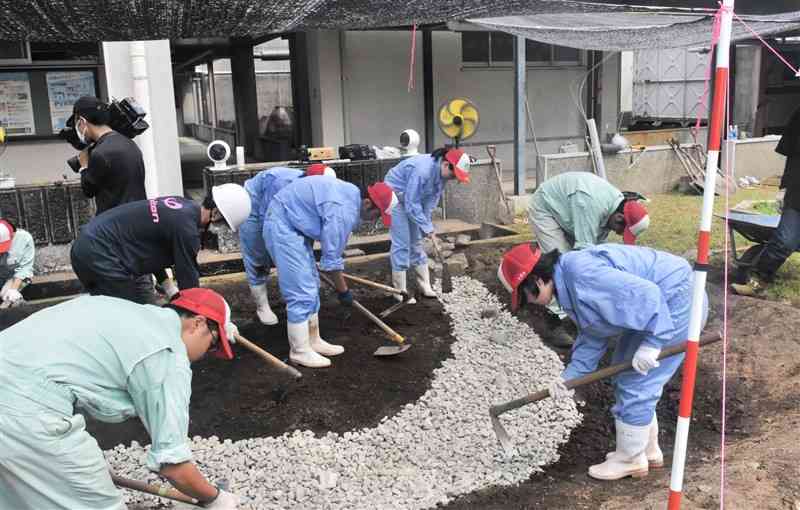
pixel 433 450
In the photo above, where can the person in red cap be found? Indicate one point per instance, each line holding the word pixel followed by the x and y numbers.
pixel 327 210
pixel 635 298
pixel 575 210
pixel 419 182
pixel 17 253
pixel 113 359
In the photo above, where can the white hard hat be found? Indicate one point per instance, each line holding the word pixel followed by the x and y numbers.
pixel 233 201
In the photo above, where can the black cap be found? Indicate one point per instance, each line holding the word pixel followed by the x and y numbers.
pixel 84 106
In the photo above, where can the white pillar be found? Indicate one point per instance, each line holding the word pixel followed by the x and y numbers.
pixel 141 93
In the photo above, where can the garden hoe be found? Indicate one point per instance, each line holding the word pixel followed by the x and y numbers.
pixel 156 490
pixel 495 411
pixel 389 350
pixel 279 393
pixel 385 288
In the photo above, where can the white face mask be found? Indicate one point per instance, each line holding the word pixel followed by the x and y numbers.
pixel 81 134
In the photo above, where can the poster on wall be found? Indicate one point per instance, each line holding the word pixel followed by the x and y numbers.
pixel 16 107
pixel 63 89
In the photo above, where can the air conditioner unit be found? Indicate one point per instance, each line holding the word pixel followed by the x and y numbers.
pixel 15 52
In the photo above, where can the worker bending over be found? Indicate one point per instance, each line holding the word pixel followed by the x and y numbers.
pixel 418 182
pixel 114 360
pixel 143 237
pixel 575 210
pixel 17 252
pixel 322 209
pixel 637 296
pixel 262 188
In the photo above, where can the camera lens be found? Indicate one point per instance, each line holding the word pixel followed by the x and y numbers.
pixel 74 163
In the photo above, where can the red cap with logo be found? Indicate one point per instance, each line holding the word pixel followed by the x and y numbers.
pixel 461 163
pixel 517 264
pixel 6 235
pixel 384 199
pixel 636 221
pixel 212 306
pixel 320 169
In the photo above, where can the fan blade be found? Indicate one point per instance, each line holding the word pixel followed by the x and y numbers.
pixel 445 117
pixel 452 130
pixel 469 112
pixel 468 129
pixel 456 105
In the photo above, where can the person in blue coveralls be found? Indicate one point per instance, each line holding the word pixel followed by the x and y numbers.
pixel 324 209
pixel 640 297
pixel 419 182
pixel 17 253
pixel 113 359
pixel 262 188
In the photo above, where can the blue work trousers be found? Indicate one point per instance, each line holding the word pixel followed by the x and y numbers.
pixel 293 254
pixel 252 240
pixel 784 241
pixel 406 241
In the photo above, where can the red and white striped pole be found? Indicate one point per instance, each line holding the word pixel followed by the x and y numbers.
pixel 701 266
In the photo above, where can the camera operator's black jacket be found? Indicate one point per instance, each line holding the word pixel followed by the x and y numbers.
pixel 115 174
pixel 140 238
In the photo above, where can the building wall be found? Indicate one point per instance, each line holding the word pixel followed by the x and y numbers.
pixel 325 88
pixel 36 162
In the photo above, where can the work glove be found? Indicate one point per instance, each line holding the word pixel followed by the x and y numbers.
pixel 12 296
pixel 169 287
pixel 345 298
pixel 224 501
pixel 645 359
pixel 558 391
pixel 233 332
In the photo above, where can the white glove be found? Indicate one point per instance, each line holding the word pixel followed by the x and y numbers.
pixel 170 289
pixel 12 296
pixel 645 359
pixel 225 501
pixel 558 391
pixel 232 331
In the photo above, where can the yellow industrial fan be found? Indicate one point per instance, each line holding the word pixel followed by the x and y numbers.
pixel 458 119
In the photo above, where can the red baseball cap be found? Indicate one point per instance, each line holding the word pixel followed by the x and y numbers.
pixel 320 169
pixel 461 163
pixel 6 235
pixel 212 306
pixel 636 221
pixel 517 264
pixel 385 199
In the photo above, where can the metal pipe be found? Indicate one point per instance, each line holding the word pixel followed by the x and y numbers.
pixel 519 115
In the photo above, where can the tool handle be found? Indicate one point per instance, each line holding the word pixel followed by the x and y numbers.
pixel 393 335
pixel 374 285
pixel 437 251
pixel 497 410
pixel 269 358
pixel 156 490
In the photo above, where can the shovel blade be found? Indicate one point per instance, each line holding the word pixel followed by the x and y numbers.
pixel 447 280
pixel 391 350
pixel 502 436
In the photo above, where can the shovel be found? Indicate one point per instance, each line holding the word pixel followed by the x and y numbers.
pixel 491 150
pixel 388 350
pixel 280 391
pixel 156 490
pixel 496 410
pixel 406 297
pixel 447 280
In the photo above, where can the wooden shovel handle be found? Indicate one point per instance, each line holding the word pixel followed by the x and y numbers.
pixel 374 285
pixel 156 490
pixel 497 410
pixel 392 334
pixel 269 358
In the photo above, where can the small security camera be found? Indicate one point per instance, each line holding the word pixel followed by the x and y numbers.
pixel 409 142
pixel 219 151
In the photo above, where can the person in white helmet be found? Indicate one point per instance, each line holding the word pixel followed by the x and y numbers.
pixel 17 252
pixel 143 237
pixel 252 240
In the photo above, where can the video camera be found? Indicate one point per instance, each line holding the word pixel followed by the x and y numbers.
pixel 126 117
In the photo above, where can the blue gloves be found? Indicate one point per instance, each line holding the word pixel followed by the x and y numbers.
pixel 345 298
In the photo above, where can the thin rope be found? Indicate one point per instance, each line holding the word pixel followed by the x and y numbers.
pixel 765 43
pixel 728 173
pixel 412 58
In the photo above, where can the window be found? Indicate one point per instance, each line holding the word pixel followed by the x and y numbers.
pixel 496 49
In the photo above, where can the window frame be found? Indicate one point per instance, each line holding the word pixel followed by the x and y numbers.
pixel 507 65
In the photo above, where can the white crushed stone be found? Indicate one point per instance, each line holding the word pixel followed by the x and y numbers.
pixel 430 452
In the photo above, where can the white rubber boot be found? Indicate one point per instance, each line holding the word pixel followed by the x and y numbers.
pixel 264 312
pixel 399 282
pixel 655 457
pixel 317 343
pixel 629 458
pixel 300 348
pixel 424 281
